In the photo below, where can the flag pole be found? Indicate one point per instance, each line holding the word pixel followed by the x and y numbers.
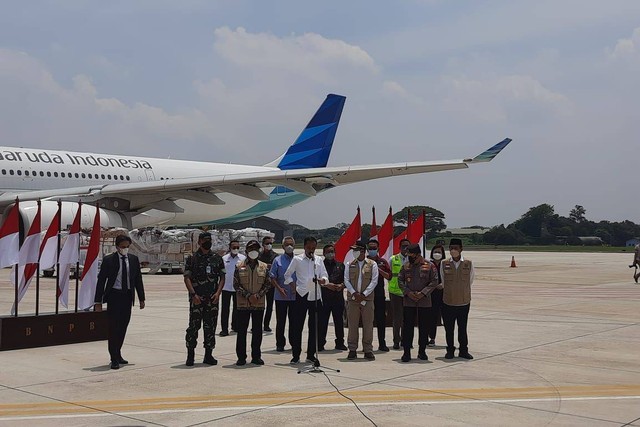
pixel 58 255
pixel 77 273
pixel 38 275
pixel 424 233
pixel 17 266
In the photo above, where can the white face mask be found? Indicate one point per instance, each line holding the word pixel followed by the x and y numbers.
pixel 356 254
pixel 454 253
pixel 253 254
pixel 123 251
pixel 437 256
pixel 288 249
pixel 268 247
pixel 235 251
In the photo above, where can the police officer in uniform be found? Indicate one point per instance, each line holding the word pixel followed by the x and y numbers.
pixel 251 281
pixel 204 279
pixel 417 279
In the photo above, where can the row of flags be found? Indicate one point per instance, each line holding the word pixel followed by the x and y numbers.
pixel 387 243
pixel 44 252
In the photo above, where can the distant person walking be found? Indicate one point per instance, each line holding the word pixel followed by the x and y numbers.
pixel 636 262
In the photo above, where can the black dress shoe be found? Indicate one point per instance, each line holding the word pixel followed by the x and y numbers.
pixel 257 361
pixel 280 349
pixel 369 356
pixel 123 362
pixel 465 355
pixel 241 362
pixel 267 329
pixel 341 347
pixel 383 347
pixel 396 346
pixel 321 348
pixel 224 333
pixel 352 355
pixel 294 361
pixel 423 355
pixel 115 365
pixel 449 355
pixel 406 357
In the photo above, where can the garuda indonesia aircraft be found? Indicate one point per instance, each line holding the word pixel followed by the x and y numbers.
pixel 134 192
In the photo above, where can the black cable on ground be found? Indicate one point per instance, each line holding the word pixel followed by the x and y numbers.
pixel 350 399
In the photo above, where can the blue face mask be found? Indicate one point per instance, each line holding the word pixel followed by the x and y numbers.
pixel 373 252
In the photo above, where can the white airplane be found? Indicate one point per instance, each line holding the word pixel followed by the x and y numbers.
pixel 134 192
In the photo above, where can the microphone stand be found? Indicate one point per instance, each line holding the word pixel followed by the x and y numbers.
pixel 315 366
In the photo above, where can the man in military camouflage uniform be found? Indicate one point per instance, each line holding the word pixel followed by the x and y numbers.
pixel 204 279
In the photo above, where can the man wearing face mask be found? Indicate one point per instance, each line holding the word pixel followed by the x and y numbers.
pixel 119 276
pixel 437 255
pixel 395 293
pixel 360 279
pixel 285 295
pixel 417 279
pixel 251 281
pixel 457 277
pixel 204 277
pixel 267 255
pixel 380 298
pixel 230 259
pixel 306 268
pixel 332 300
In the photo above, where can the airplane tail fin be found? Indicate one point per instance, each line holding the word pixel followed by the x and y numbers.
pixel 312 148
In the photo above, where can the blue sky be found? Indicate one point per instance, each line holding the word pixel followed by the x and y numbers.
pixel 427 79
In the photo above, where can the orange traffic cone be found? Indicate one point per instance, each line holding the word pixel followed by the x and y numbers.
pixel 513 262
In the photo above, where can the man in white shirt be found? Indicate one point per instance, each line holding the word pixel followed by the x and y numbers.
pixel 360 279
pixel 231 259
pixel 307 268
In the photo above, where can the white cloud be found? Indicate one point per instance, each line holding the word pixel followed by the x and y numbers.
pixel 627 48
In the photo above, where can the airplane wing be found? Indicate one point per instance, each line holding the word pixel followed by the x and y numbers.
pixel 140 196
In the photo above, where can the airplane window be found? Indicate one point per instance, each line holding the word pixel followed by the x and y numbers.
pixel 128 178
pixel 102 176
pixel 48 173
pixel 10 171
pixel 41 173
pixel 55 174
pixel 26 173
pixel 77 175
pixel 62 174
pixel 83 175
pixel 4 171
pixel 90 176
pixel 19 172
pixel 121 178
pixel 108 176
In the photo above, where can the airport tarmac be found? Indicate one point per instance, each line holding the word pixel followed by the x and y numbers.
pixel 556 342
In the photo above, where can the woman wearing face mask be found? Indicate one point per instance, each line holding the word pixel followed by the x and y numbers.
pixel 437 255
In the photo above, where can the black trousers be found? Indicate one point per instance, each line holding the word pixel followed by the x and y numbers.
pixel 397 309
pixel 242 323
pixel 118 317
pixel 335 308
pixel 300 309
pixel 436 312
pixel 284 310
pixel 450 315
pixel 379 316
pixel 269 310
pixel 227 297
pixel 409 314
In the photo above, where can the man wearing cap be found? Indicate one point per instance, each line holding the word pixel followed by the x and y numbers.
pixel 418 278
pixel 360 279
pixel 308 270
pixel 267 255
pixel 457 277
pixel 395 293
pixel 251 281
pixel 379 299
pixel 204 278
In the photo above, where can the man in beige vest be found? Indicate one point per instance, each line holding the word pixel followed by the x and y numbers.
pixel 251 281
pixel 457 277
pixel 360 279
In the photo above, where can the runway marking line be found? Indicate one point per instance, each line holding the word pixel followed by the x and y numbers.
pixel 323 399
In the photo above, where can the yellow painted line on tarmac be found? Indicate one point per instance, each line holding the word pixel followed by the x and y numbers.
pixel 314 398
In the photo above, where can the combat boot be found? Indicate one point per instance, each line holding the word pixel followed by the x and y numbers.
pixel 208 357
pixel 191 355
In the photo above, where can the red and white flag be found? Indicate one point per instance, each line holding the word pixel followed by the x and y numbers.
pixel 49 246
pixel 403 235
pixel 415 232
pixel 90 273
pixel 10 238
pixel 385 238
pixel 69 255
pixel 348 238
pixel 27 258
pixel 374 226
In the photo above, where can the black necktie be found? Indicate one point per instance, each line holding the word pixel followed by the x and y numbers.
pixel 125 274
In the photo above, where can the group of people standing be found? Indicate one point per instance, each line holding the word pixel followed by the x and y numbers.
pixel 421 291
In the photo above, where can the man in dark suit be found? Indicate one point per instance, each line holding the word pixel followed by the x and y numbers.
pixel 119 275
